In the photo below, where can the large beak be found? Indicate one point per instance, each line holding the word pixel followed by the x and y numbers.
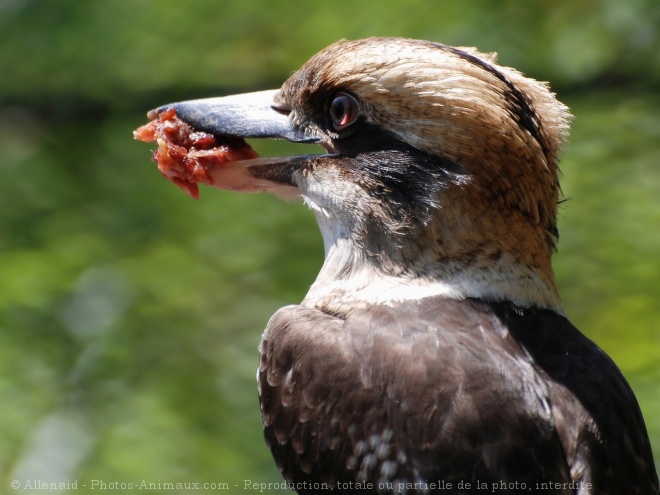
pixel 248 115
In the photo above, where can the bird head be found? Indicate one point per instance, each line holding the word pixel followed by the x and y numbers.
pixel 440 175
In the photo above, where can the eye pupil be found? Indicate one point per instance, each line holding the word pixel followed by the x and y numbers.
pixel 343 111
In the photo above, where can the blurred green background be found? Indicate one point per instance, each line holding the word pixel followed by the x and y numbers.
pixel 130 314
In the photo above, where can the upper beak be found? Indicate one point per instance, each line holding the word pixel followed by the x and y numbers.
pixel 248 115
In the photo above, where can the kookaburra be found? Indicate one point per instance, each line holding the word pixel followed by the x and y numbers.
pixel 431 354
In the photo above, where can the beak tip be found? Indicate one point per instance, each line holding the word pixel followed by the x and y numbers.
pixel 154 113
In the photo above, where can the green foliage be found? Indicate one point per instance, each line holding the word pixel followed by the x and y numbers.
pixel 130 315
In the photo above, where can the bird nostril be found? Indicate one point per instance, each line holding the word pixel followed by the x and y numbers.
pixel 281 109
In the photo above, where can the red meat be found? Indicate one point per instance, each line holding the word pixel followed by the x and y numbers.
pixel 186 156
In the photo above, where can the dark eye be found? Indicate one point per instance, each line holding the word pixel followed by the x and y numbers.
pixel 344 110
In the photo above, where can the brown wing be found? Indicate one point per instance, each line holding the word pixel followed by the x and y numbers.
pixel 606 443
pixel 442 392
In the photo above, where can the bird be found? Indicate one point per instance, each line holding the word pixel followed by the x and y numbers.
pixel 432 353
